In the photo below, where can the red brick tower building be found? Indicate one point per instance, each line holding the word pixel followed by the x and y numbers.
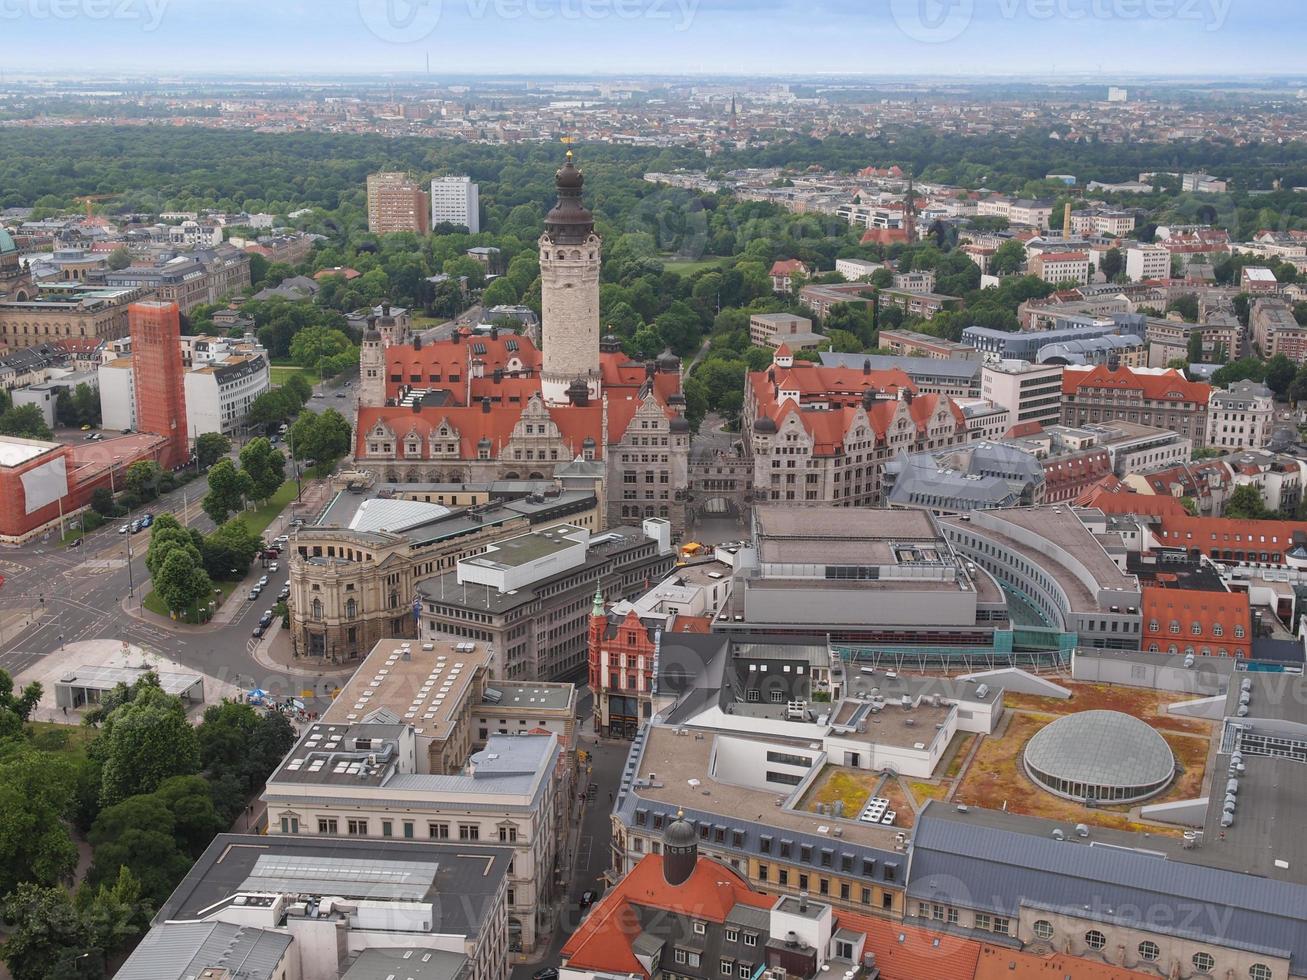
pixel 158 372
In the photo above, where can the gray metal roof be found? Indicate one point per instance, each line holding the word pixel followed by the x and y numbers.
pixel 1101 748
pixel 971 860
pixel 953 367
pixel 379 963
pixel 181 950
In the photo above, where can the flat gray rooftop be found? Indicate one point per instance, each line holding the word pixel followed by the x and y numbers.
pixel 464 877
pixel 407 964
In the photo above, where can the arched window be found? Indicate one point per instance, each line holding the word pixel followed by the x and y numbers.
pixel 316 612
pixel 351 608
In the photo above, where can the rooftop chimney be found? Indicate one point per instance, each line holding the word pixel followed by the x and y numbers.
pixel 417 341
pixel 485 406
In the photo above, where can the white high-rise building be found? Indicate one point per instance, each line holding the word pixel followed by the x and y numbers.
pixel 569 294
pixel 1115 94
pixel 456 200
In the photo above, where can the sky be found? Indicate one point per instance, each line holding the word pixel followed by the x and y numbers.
pixel 577 37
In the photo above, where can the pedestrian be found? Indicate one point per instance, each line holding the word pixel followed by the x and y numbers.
pixel 65 711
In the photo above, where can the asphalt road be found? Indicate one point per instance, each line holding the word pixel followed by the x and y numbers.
pixel 594 839
pixel 79 595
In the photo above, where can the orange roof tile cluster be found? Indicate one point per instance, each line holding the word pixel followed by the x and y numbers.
pixel 841 391
pixel 787 267
pixel 1111 496
pixel 1002 963
pixel 1171 386
pixel 884 236
pixel 1219 534
pixel 473 360
pixel 1161 607
pixel 603 940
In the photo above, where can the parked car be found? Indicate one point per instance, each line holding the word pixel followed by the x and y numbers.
pixel 254 593
pixel 260 629
pixel 340 394
pixel 274 568
pixel 588 898
pixel 136 526
pixel 284 594
pixel 125 529
pixel 147 520
pixel 548 973
pixel 317 394
pixel 266 618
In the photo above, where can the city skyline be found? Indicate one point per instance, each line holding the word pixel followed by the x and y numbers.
pixel 959 38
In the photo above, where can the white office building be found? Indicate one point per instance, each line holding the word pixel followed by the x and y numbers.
pixel 456 200
pixel 219 395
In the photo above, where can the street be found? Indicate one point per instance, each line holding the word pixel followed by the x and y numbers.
pixel 79 594
pixel 593 837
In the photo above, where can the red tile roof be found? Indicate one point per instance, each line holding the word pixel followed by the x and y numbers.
pixel 1002 963
pixel 603 940
pixel 1170 386
pixel 1185 607
pixel 1219 534
pixel 884 236
pixel 787 267
pixel 1111 496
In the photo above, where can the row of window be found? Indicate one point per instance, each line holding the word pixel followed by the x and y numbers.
pixel 358 827
pixel 1148 950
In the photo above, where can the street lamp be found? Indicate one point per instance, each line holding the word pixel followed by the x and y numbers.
pixel 131 587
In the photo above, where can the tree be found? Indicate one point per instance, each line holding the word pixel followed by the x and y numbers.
pixel 36 789
pixel 324 438
pixel 211 447
pixel 313 345
pixel 237 741
pixel 1244 369
pixel 26 422
pixel 182 583
pixel 266 467
pixel 44 929
pixel 228 489
pixel 1280 372
pixel 1178 363
pixel 1186 305
pixel 274 406
pixel 299 386
pixel 114 914
pixel 1112 264
pixel 1298 389
pixel 166 536
pixel 1008 258
pixel 1194 349
pixel 139 834
pixel 120 258
pixel 21 706
pixel 147 740
pixel 142 478
pixel 1246 504
pixel 231 546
